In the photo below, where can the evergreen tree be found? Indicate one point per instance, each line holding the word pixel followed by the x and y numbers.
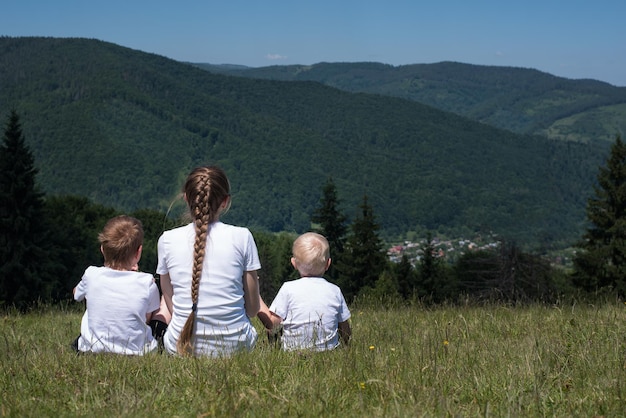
pixel 406 277
pixel 601 261
pixel 23 257
pixel 477 273
pixel 435 283
pixel 332 223
pixel 363 258
pixel 505 274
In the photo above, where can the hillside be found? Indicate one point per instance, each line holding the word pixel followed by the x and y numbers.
pixel 123 128
pixel 522 100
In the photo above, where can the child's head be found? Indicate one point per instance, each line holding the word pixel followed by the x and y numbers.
pixel 120 242
pixel 311 255
pixel 207 192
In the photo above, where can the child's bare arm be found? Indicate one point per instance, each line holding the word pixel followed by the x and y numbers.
pixel 162 314
pixel 345 331
pixel 167 290
pixel 157 314
pixel 251 295
pixel 270 320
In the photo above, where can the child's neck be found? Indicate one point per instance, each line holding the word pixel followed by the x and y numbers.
pixel 118 268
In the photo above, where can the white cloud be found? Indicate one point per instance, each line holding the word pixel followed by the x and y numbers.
pixel 275 57
pixel 499 54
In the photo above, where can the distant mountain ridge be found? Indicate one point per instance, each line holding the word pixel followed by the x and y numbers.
pixel 124 127
pixel 522 100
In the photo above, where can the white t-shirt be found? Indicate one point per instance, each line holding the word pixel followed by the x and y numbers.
pixel 222 325
pixel 311 309
pixel 117 304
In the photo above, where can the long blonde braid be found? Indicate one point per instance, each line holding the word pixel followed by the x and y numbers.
pixel 206 189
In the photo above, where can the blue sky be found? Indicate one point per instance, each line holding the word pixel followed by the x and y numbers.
pixel 573 39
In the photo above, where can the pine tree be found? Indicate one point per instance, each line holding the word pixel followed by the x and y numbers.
pixel 406 277
pixel 363 258
pixel 428 269
pixel 601 261
pixel 332 223
pixel 434 283
pixel 22 233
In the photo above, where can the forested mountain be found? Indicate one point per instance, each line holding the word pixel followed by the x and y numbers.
pixel 124 127
pixel 522 100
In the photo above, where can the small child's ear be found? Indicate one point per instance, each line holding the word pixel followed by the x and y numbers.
pixel 293 263
pixel 138 254
pixel 102 250
pixel 328 263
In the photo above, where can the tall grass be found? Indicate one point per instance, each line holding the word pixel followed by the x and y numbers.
pixel 403 361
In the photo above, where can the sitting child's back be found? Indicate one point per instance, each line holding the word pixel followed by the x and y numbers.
pixel 312 309
pixel 120 300
pixel 313 312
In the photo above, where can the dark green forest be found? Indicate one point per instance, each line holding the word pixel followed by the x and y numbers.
pixel 411 161
pixel 122 128
pixel 60 234
pixel 521 100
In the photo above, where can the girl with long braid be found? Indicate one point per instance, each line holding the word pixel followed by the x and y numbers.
pixel 208 274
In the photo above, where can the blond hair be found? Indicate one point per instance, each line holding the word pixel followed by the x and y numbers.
pixel 311 253
pixel 205 190
pixel 120 240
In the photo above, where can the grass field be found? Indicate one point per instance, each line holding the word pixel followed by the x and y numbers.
pixel 405 361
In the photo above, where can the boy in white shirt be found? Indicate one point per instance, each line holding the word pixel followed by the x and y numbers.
pixel 120 300
pixel 313 312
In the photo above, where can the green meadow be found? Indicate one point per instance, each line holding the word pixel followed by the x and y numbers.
pixel 469 361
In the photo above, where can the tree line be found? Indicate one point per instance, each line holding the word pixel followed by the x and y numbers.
pixel 46 242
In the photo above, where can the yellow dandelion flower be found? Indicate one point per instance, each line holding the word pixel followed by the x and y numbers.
pixel 446 343
pixel 372 347
pixel 362 385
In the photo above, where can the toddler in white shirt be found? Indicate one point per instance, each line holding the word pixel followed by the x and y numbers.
pixel 121 301
pixel 312 312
